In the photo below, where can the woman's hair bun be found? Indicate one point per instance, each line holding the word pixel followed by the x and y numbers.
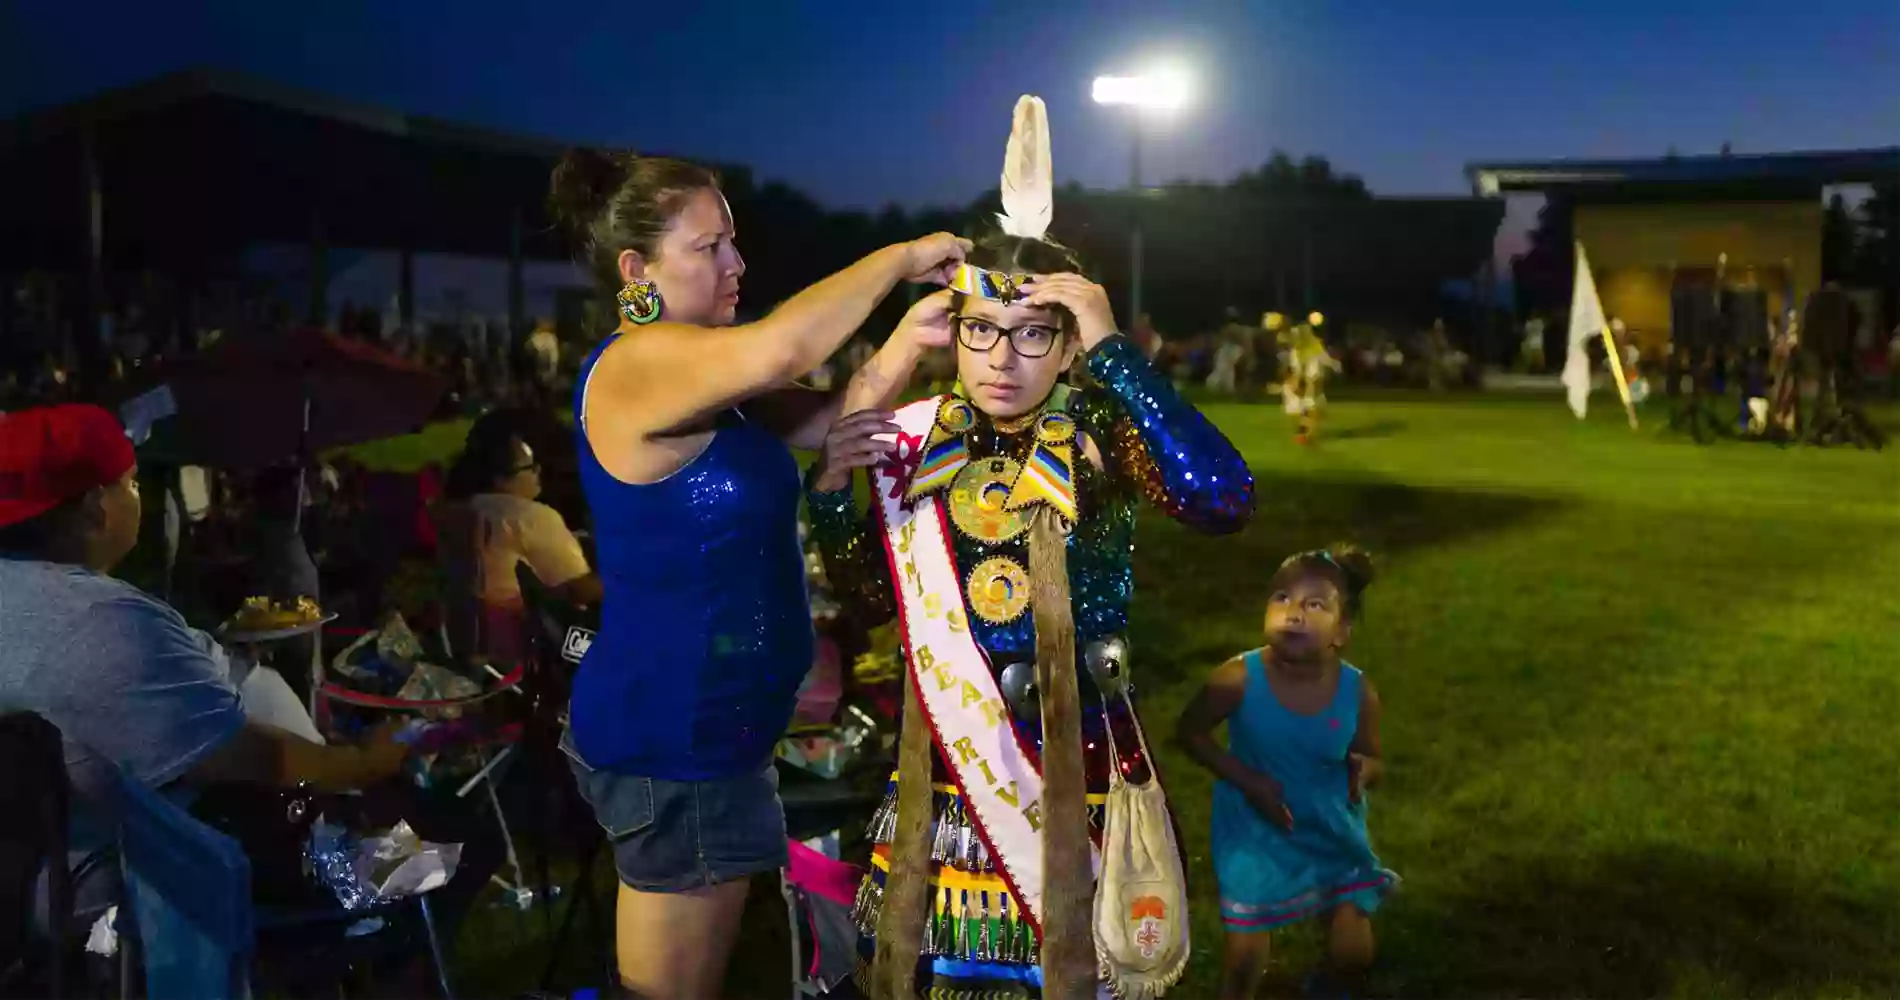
pixel 581 185
pixel 610 203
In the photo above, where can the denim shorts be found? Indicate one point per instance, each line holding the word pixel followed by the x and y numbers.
pixel 675 836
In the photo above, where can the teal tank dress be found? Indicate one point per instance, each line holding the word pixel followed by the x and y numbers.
pixel 1270 878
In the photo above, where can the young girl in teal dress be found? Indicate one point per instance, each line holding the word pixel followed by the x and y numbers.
pixel 1290 840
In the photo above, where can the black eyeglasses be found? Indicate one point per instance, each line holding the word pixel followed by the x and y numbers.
pixel 1033 340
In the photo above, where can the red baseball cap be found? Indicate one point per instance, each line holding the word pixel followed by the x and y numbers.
pixel 51 454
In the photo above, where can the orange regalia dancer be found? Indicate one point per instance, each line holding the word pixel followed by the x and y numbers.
pixel 1024 847
pixel 1305 362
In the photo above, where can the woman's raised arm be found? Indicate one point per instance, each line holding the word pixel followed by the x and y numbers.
pixel 671 375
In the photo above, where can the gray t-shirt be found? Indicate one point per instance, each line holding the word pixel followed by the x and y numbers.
pixel 121 675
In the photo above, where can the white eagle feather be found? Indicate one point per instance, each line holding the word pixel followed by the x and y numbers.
pixel 1029 186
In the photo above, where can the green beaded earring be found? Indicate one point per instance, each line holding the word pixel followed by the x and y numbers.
pixel 639 302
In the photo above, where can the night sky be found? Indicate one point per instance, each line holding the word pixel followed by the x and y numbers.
pixel 857 107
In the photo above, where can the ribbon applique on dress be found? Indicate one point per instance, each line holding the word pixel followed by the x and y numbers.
pixel 1049 475
pixel 945 451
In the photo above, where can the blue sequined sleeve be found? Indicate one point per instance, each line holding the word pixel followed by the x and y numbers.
pixel 1201 479
pixel 853 554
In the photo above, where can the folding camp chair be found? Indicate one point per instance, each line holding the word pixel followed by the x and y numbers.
pixel 33 839
pixel 188 892
pixel 559 636
pixel 188 889
pixel 819 892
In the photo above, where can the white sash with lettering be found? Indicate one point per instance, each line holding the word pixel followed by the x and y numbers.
pixel 967 715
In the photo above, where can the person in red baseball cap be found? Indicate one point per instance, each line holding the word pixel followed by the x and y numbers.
pixel 136 690
pixel 69 490
pixel 129 684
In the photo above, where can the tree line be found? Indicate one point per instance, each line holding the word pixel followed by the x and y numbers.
pixel 1211 246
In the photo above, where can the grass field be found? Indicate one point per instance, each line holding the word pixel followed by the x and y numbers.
pixel 1641 700
pixel 1640 695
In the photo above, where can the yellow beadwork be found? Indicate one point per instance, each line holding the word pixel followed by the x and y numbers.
pixel 977 499
pixel 998 589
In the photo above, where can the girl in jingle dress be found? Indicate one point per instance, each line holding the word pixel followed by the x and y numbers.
pixel 1090 450
pixel 1151 444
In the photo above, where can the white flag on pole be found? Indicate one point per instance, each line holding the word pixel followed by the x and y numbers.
pixel 1586 321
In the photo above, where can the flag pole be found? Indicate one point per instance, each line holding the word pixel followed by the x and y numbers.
pixel 1616 368
pixel 1586 311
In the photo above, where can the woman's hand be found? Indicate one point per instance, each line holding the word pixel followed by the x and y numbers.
pixel 1264 794
pixel 929 323
pixel 385 751
pixel 852 444
pixel 932 259
pixel 1084 299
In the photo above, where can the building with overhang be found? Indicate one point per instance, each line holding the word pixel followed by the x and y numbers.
pixel 181 175
pixel 178 174
pixel 1651 227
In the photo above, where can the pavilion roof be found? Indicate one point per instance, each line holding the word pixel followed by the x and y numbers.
pixel 201 162
pixel 1764 174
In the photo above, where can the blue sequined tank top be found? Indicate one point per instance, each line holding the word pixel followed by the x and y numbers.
pixel 706 625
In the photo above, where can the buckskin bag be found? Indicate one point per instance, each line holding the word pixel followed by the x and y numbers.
pixel 1141 926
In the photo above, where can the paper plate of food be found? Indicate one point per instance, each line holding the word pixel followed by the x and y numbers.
pixel 264 620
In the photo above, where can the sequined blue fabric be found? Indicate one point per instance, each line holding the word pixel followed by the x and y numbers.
pixel 1206 483
pixel 1152 444
pixel 706 626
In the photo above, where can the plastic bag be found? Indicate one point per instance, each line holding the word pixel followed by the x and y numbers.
pixel 369 871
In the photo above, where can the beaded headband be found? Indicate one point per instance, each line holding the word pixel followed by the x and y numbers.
pixel 993 285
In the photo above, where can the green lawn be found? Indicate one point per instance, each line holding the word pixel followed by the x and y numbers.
pixel 1641 699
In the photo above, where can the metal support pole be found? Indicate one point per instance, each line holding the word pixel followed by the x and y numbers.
pixel 92 330
pixel 1134 242
pixel 1487 282
pixel 406 293
pixel 319 311
pixel 517 289
pixel 1306 263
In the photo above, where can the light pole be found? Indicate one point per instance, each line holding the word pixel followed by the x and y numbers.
pixel 1152 92
pixel 1134 232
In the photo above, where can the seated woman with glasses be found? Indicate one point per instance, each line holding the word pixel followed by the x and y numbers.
pixel 1011 444
pixel 490 523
